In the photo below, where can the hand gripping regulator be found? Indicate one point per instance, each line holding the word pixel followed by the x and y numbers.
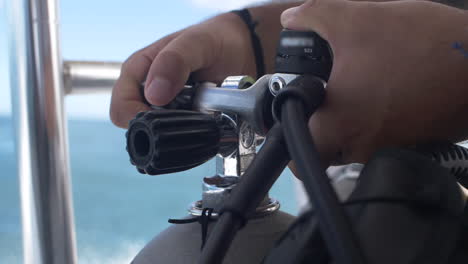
pixel 230 122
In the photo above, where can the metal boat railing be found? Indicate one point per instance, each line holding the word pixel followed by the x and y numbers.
pixel 39 82
pixel 82 77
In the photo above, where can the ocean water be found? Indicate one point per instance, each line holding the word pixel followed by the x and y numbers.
pixel 117 210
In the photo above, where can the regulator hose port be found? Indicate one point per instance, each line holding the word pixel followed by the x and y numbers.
pixel 166 141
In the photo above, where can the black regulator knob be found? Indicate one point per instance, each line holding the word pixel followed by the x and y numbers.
pixel 304 52
pixel 166 141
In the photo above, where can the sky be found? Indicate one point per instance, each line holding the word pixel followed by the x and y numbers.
pixel 111 30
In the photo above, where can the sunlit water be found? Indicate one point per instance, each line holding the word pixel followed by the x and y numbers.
pixel 117 210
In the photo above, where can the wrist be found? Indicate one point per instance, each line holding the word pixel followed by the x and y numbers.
pixel 256 45
pixel 239 33
pixel 268 29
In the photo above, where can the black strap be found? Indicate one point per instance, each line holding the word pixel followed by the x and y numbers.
pixel 244 14
pixel 204 219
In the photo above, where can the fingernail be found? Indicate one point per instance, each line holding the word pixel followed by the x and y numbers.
pixel 158 92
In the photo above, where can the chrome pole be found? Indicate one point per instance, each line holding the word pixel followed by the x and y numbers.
pixel 41 134
pixel 84 77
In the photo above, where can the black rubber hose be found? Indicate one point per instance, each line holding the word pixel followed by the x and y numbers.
pixel 334 224
pixel 247 195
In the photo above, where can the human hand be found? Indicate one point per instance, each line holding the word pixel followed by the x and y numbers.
pixel 210 50
pixel 399 77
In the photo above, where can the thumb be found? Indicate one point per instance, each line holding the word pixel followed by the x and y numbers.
pixel 322 16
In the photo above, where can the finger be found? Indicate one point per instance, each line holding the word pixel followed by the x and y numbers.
pixel 322 16
pixel 126 99
pixel 170 70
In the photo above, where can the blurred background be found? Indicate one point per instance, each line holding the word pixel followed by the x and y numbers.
pixel 117 210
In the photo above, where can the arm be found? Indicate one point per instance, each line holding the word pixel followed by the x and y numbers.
pixel 212 50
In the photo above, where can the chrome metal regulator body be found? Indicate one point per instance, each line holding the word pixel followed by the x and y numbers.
pixel 237 115
pixel 238 94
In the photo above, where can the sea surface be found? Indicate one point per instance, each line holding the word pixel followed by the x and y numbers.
pixel 117 210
